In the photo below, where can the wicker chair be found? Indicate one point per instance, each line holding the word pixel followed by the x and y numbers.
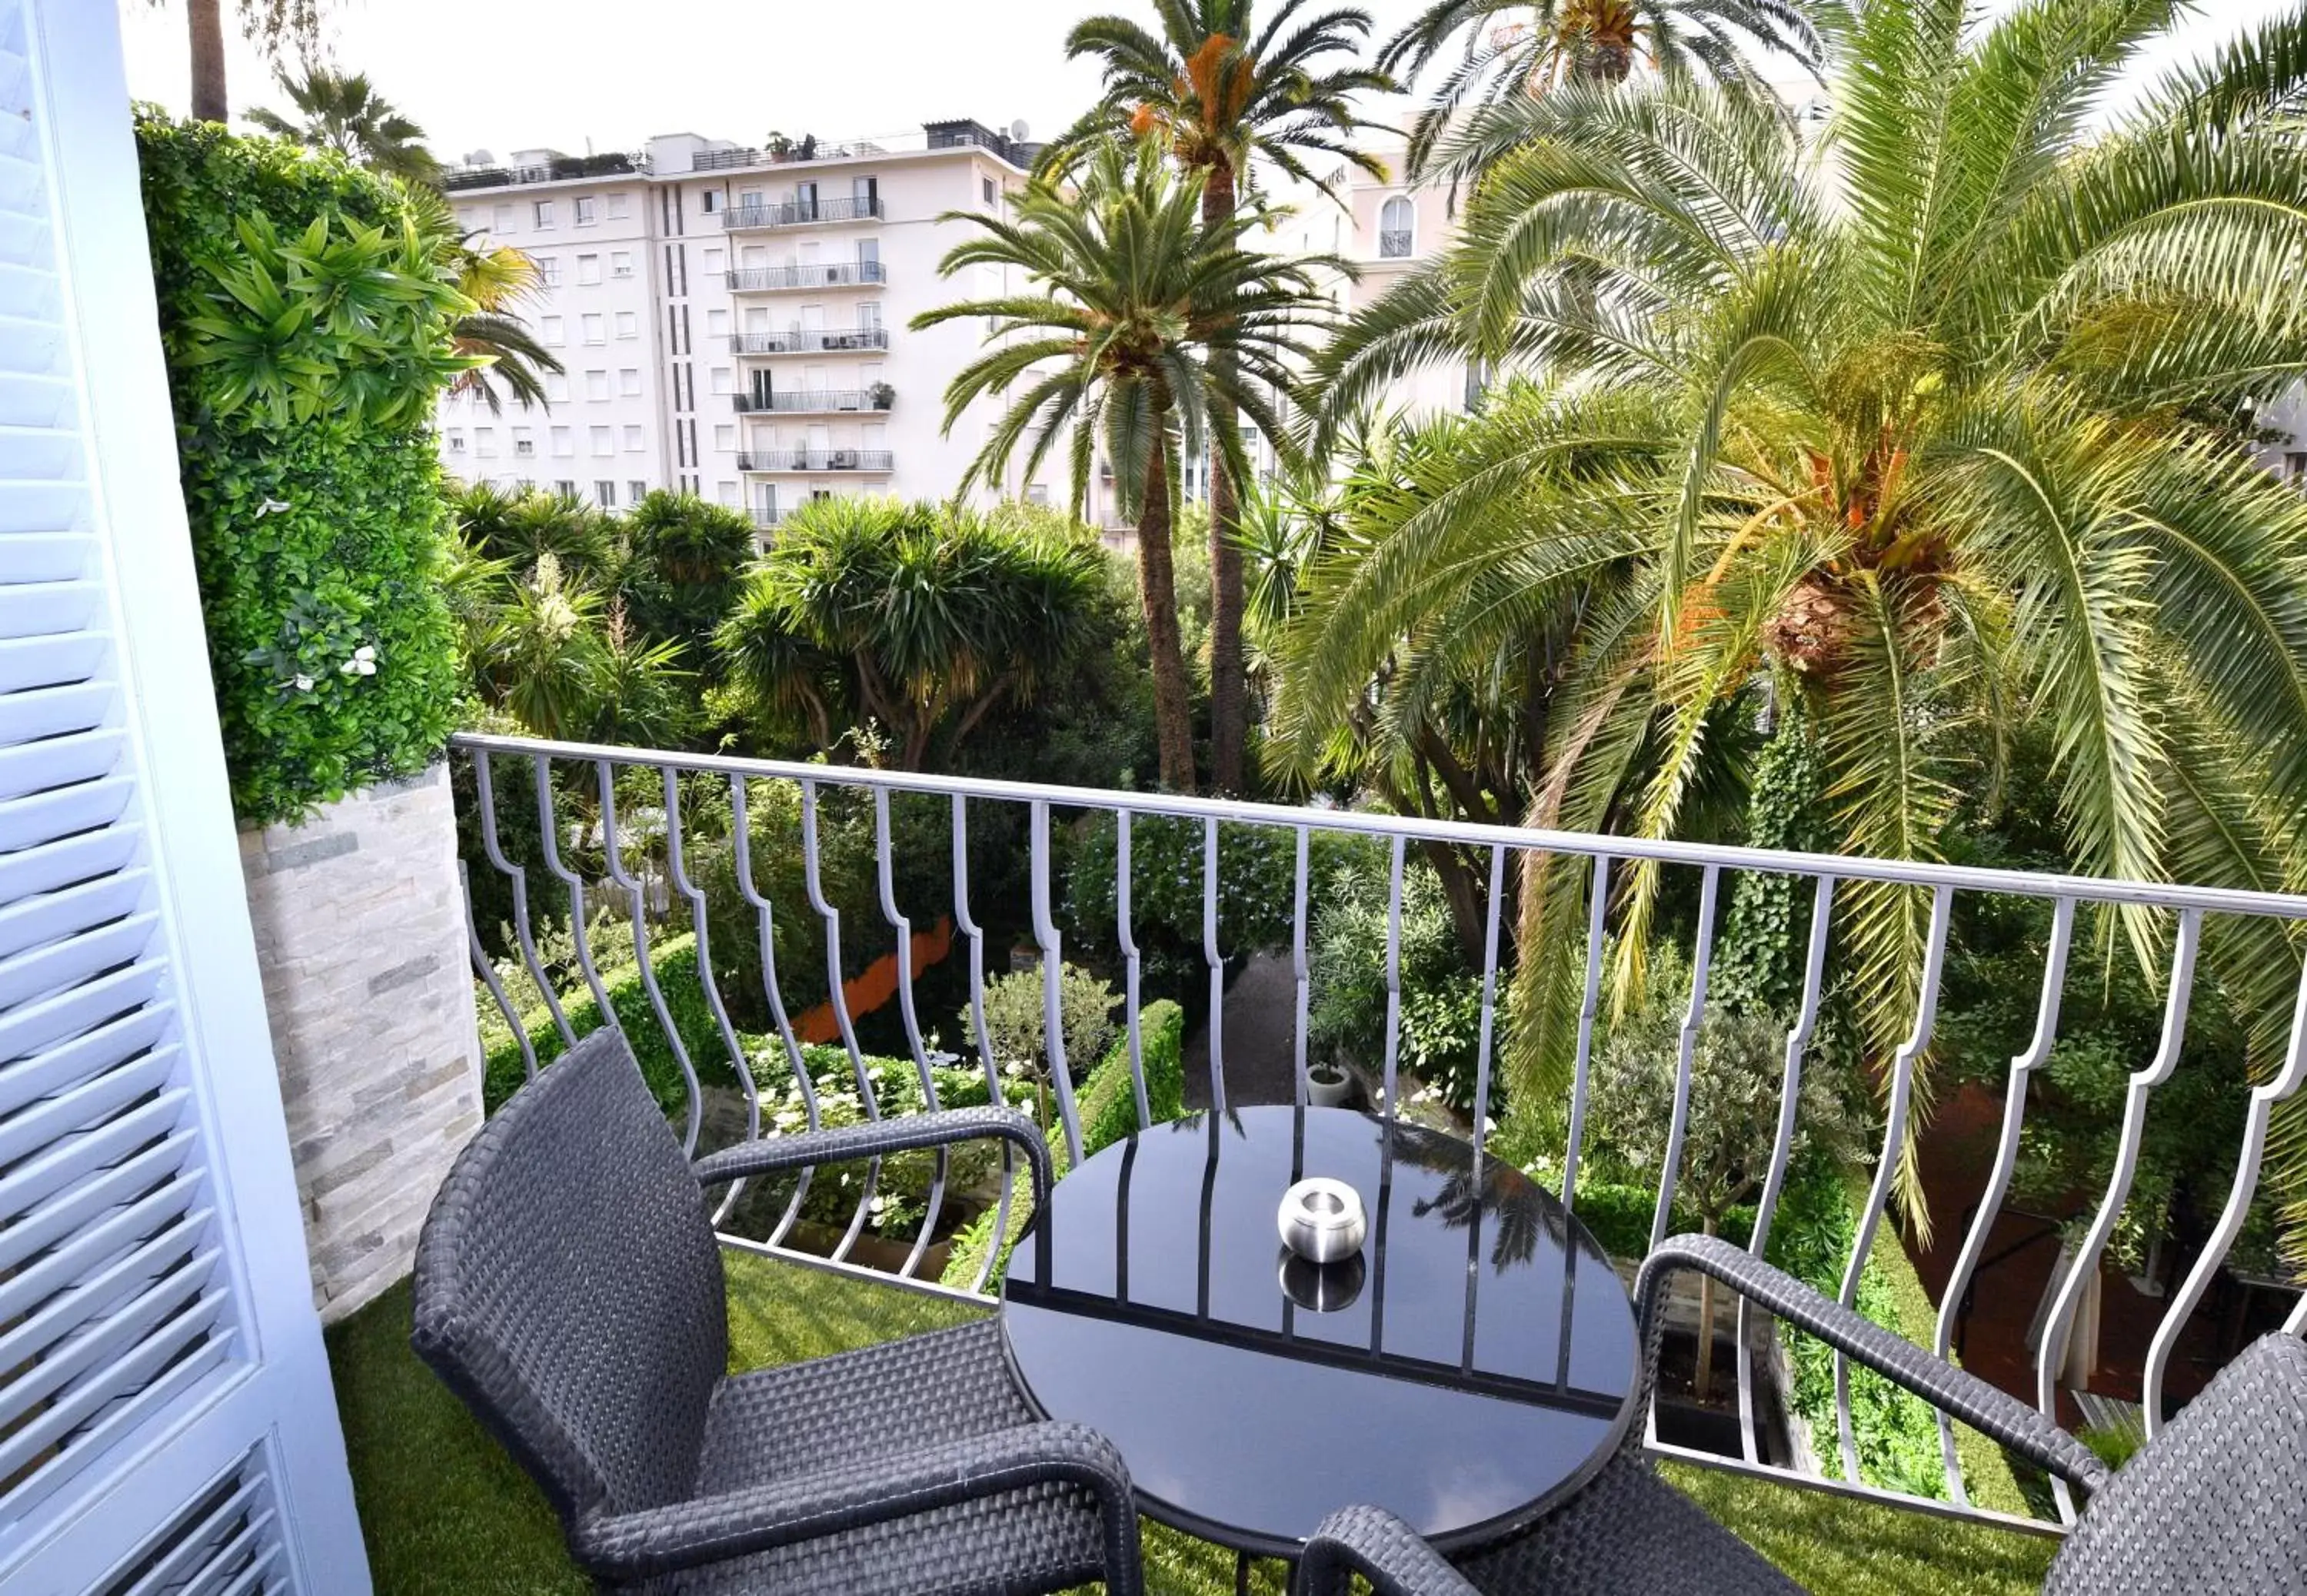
pixel 2217 1502
pixel 569 1288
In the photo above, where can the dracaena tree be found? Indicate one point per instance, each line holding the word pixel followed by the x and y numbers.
pixel 1925 426
pixel 1226 94
pixel 1145 328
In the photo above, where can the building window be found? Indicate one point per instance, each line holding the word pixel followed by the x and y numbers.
pixel 500 219
pixel 621 263
pixel 549 330
pixel 456 442
pixel 728 492
pixel 556 387
pixel 522 442
pixel 588 271
pixel 717 324
pixel 1037 492
pixel 1397 218
pixel 565 486
pixel 544 213
pixel 986 185
pixel 2294 465
pixel 724 439
pixel 596 329
pixel 712 201
pixel 629 382
pixel 605 440
pixel 715 261
pixel 564 442
pixel 633 444
pixel 606 491
pixel 616 207
pixel 548 270
pixel 583 206
pixel 596 385
pixel 629 324
pixel 485 442
pixel 721 381
pixel 636 491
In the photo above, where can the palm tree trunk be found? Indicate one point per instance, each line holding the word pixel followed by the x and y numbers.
pixel 1228 679
pixel 206 18
pixel 1157 586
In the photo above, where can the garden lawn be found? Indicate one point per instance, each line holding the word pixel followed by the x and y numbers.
pixel 446 1513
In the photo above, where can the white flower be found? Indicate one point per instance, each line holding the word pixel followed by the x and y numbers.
pixel 272 506
pixel 303 684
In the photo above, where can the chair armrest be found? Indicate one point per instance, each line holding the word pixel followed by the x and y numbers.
pixel 879 1138
pixel 655 1541
pixel 2000 1415
pixel 1374 1543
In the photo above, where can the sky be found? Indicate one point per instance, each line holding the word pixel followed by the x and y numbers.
pixel 506 75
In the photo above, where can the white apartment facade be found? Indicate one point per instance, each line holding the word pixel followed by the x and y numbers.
pixel 733 319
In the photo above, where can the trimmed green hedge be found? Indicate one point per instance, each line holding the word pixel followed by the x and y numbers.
pixel 305 313
pixel 675 962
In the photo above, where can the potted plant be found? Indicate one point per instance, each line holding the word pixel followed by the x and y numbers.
pixel 882 395
pixel 1327 1084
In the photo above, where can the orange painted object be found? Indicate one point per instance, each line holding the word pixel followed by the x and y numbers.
pixel 876 984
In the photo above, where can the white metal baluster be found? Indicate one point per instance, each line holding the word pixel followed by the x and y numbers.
pixel 1392 978
pixel 742 836
pixel 1482 1040
pixel 1216 964
pixel 1701 956
pixel 485 796
pixel 903 927
pixel 2263 1100
pixel 1129 941
pixel 1894 1133
pixel 1596 915
pixel 993 1094
pixel 550 825
pixel 2296 1325
pixel 1045 934
pixel 839 999
pixel 1300 972
pixel 612 855
pixel 1798 1036
pixel 2059 1326
pixel 677 868
pixel 2006 1158
pixel 487 972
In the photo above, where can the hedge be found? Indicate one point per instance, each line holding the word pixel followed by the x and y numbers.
pixel 675 963
pixel 305 313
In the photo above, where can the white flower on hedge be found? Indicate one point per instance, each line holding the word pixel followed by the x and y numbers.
pixel 362 663
pixel 272 506
pixel 303 684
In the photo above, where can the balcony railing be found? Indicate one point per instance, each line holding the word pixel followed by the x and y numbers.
pixel 800 213
pixel 809 340
pixel 815 401
pixel 766 519
pixel 562 169
pixel 1393 246
pixel 815 459
pixel 643 858
pixel 837 274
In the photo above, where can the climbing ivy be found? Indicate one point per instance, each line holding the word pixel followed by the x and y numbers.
pixel 1759 958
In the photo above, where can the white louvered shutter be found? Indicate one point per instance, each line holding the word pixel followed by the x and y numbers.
pixel 160 1371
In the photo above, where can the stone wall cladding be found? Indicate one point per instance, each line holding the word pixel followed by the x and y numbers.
pixel 360 929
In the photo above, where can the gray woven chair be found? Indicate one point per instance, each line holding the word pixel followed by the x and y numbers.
pixel 2217 1502
pixel 569 1288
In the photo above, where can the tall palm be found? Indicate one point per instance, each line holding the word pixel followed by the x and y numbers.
pixel 1146 330
pixel 348 115
pixel 272 25
pixel 1512 49
pixel 1225 93
pixel 1922 427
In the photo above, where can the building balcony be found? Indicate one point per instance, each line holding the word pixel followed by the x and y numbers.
pixel 837 274
pixel 800 213
pixel 810 340
pixel 766 520
pixel 1393 246
pixel 872 461
pixel 816 401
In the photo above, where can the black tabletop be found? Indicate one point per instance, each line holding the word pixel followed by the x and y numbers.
pixel 1476 1362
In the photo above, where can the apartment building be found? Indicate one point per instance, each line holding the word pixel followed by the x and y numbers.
pixel 733 318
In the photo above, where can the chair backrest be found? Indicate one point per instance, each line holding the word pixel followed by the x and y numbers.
pixel 2217 1502
pixel 569 1287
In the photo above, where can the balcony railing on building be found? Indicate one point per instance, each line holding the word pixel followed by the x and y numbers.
pixel 815 460
pixel 652 837
pixel 766 517
pixel 800 213
pixel 836 274
pixel 809 340
pixel 1393 246
pixel 562 169
pixel 816 401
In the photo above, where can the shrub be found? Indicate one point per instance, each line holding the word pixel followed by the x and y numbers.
pixel 1016 1014
pixel 305 318
pixel 674 960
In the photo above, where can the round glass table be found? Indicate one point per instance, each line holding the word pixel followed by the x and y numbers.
pixel 1469 1367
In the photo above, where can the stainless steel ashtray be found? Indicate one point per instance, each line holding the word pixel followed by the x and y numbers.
pixel 1321 1220
pixel 1322 1288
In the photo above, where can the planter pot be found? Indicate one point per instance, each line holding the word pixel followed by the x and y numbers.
pixel 1328 1086
pixel 360 934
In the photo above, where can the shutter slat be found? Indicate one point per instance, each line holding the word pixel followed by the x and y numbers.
pixel 30 1079
pixel 96 1194
pixel 141 1239
pixel 118 1424
pixel 63 811
pixel 196 1542
pixel 100 1342
pixel 41 556
pixel 30 922
pixel 59 762
pixel 25 1133
pixel 257 1573
pixel 53 865
pixel 65 1162
pixel 28 663
pixel 40 608
pixel 75 960
pixel 41 1025
pixel 143 1368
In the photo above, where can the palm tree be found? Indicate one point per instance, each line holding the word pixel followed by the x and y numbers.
pixel 1147 330
pixel 346 114
pixel 497 279
pixel 1924 433
pixel 1516 47
pixel 271 24
pixel 1224 93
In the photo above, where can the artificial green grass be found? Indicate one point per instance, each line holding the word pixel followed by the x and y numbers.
pixel 445 1512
